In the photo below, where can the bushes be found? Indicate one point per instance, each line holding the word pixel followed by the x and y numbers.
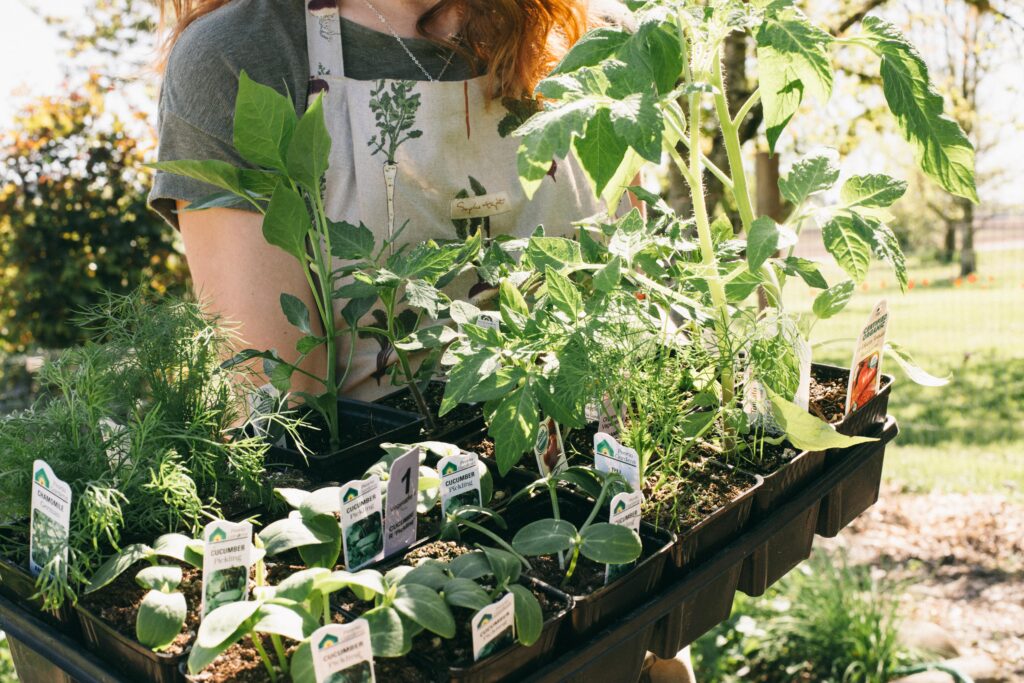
pixel 827 622
pixel 73 219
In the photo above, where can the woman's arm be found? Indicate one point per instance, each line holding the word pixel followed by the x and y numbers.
pixel 241 277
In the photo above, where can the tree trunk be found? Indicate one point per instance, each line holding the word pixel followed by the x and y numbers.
pixel 968 262
pixel 949 243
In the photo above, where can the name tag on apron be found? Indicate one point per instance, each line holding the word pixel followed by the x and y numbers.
pixel 481 207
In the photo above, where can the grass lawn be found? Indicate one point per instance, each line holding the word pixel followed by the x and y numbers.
pixel 967 436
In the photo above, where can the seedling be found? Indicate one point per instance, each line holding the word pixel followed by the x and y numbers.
pixel 600 542
pixel 162 611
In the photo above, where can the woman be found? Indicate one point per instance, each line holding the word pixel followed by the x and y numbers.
pixel 420 98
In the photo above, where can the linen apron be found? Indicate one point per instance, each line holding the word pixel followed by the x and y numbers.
pixel 434 156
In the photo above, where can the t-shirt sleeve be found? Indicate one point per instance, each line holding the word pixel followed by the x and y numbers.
pixel 195 118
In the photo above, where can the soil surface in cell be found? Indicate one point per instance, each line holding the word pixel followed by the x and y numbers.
pixel 118 603
pixel 434 393
pixel 680 503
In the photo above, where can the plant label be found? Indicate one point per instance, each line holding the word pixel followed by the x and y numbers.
pixel 262 401
pixel 549 449
pixel 803 353
pixel 227 558
pixel 488 321
pixel 611 456
pixel 342 652
pixel 362 523
pixel 624 510
pixel 481 206
pixel 606 416
pixel 50 520
pixel 460 481
pixel 400 503
pixel 866 370
pixel 116 441
pixel 494 627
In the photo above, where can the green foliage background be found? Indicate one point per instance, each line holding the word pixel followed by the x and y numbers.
pixel 73 219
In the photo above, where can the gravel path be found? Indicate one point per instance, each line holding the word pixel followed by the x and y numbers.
pixel 962 558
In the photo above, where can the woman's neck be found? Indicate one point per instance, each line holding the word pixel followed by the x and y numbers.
pixel 401 16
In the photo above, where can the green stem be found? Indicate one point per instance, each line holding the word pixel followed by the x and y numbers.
pixel 267 664
pixel 733 150
pixel 403 359
pixel 572 564
pixel 497 539
pixel 282 656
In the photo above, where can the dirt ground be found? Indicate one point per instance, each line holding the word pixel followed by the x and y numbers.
pixel 962 560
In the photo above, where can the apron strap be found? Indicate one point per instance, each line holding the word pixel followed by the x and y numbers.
pixel 323 39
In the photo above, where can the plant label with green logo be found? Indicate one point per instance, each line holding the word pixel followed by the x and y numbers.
pixel 488 321
pixel 400 503
pixel 611 456
pixel 460 481
pixel 227 560
pixel 342 652
pixel 362 522
pixel 50 520
pixel 624 510
pixel 866 370
pixel 116 441
pixel 549 449
pixel 494 627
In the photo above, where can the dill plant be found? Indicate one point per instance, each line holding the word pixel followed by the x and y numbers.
pixel 145 426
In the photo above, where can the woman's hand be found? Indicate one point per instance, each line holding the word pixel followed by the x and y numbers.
pixel 240 277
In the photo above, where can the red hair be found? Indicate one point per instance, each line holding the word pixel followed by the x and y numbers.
pixel 518 41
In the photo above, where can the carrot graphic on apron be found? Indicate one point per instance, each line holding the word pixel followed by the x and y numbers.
pixel 394 111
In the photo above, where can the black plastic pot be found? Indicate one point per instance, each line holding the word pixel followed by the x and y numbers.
pixel 352 461
pixel 592 611
pixel 858 492
pixel 871 415
pixel 792 543
pixel 136 661
pixel 699 613
pixel 450 433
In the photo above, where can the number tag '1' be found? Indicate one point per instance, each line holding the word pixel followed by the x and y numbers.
pixel 400 504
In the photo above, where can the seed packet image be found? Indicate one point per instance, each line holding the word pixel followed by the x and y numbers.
pixel 494 627
pixel 227 560
pixel 624 510
pixel 460 481
pixel 866 369
pixel 362 522
pixel 51 519
pixel 611 456
pixel 549 449
pixel 342 653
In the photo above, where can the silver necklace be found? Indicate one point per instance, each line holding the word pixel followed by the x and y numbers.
pixel 391 29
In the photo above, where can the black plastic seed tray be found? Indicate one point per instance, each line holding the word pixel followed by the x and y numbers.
pixel 590 659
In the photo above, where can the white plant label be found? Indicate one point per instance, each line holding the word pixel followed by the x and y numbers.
pixel 803 353
pixel 262 401
pixel 611 456
pixel 227 558
pixel 116 441
pixel 488 321
pixel 624 510
pixel 549 449
pixel 362 523
pixel 606 416
pixel 494 627
pixel 866 370
pixel 400 503
pixel 50 519
pixel 342 652
pixel 460 481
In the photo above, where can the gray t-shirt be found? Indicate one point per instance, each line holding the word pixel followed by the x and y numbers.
pixel 266 39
